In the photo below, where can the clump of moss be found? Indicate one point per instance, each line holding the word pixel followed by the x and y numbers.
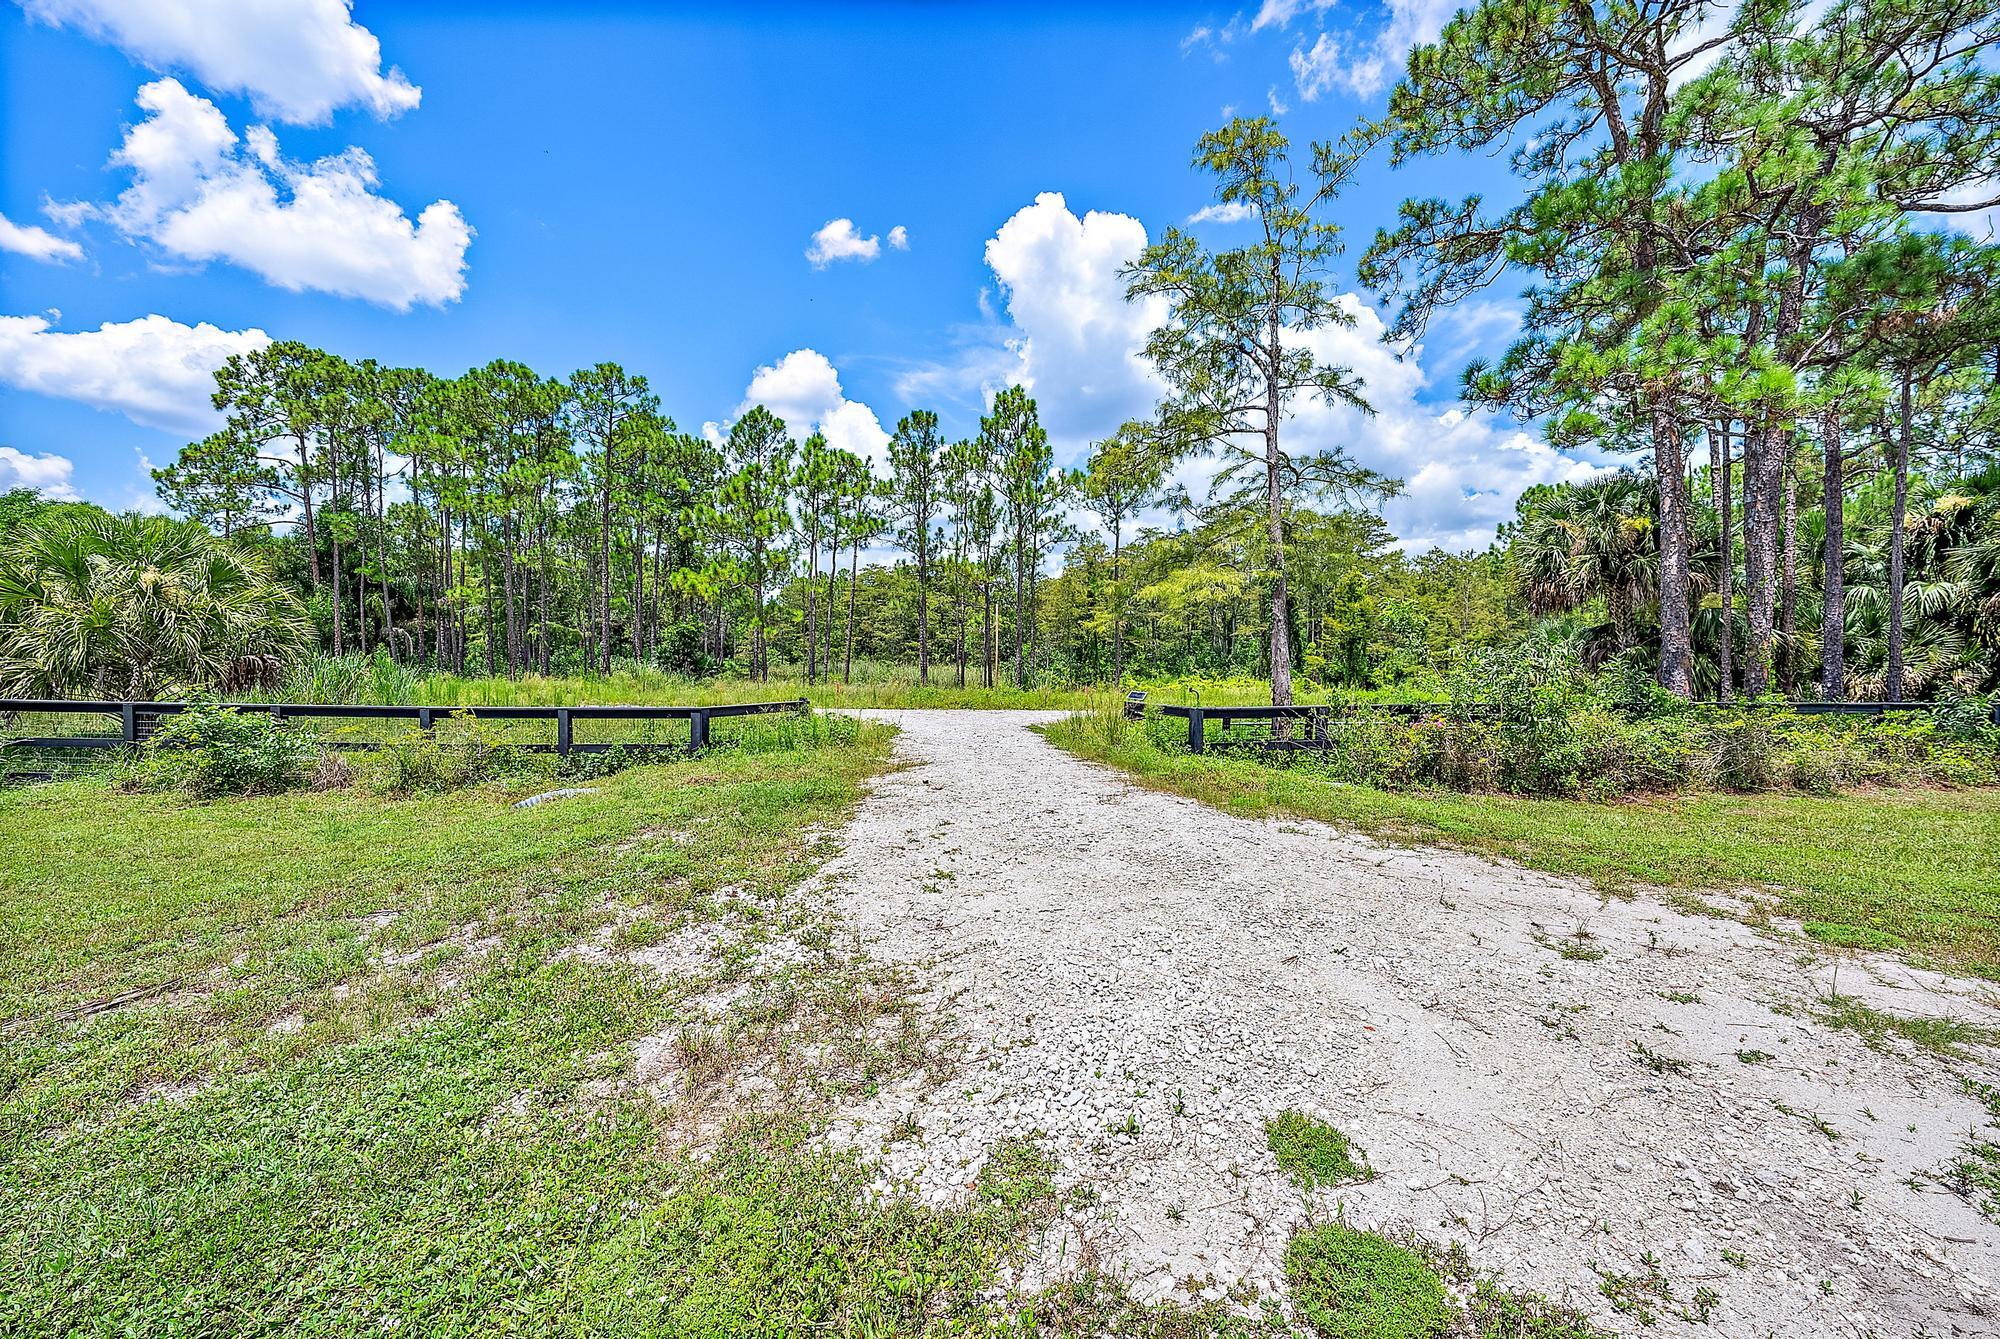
pixel 1348 1284
pixel 1312 1152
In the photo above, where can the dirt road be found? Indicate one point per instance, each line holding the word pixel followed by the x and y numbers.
pixel 1570 1086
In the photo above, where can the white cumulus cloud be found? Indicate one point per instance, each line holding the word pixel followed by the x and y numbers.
pixel 200 193
pixel 803 389
pixel 1234 211
pixel 24 239
pixel 1076 340
pixel 155 371
pixel 48 474
pixel 839 239
pixel 297 60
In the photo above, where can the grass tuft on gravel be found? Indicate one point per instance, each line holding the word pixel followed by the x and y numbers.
pixel 1914 870
pixel 1312 1152
pixel 1348 1284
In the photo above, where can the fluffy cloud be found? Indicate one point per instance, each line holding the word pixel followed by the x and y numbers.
pixel 200 193
pixel 1317 68
pixel 1235 211
pixel 47 474
pixel 839 239
pixel 1364 66
pixel 298 61
pixel 154 371
pixel 1071 337
pixel 25 239
pixel 1076 341
pixel 803 389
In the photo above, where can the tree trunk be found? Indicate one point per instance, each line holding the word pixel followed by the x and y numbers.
pixel 306 497
pixel 1893 680
pixel 812 608
pixel 853 580
pixel 1725 568
pixel 923 618
pixel 1788 584
pixel 1676 632
pixel 1833 607
pixel 1020 596
pixel 1281 639
pixel 638 588
pixel 604 558
pixel 1763 471
pixel 1117 607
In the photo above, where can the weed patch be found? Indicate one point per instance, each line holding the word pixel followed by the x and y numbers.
pixel 1312 1152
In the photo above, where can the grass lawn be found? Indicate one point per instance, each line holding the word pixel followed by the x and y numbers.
pixel 320 1064
pixel 1917 871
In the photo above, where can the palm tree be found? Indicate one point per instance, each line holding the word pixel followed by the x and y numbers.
pixel 129 607
pixel 1580 542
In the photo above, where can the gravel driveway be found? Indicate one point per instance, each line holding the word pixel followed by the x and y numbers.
pixel 1143 980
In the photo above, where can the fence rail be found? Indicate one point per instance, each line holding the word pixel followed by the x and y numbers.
pixel 137 719
pixel 1317 716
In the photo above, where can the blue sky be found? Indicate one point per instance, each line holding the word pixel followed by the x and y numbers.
pixel 562 184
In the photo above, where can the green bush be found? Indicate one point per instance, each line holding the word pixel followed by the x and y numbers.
pixel 1355 1285
pixel 210 750
pixel 458 752
pixel 1533 722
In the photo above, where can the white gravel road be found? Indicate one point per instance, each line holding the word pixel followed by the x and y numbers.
pixel 1143 980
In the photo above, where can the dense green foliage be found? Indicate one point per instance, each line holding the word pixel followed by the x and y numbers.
pixel 97 606
pixel 208 750
pixel 1538 724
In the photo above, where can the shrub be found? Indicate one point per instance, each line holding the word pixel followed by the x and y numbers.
pixel 457 752
pixel 1532 722
pixel 210 750
pixel 1356 1285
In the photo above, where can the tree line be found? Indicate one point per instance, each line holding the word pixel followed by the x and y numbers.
pixel 519 523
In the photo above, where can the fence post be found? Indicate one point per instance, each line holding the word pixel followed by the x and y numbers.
pixel 1195 741
pixel 128 713
pixel 424 721
pixel 562 732
pixel 697 731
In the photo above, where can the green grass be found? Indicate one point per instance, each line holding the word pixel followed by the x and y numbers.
pixel 1944 1036
pixel 1348 1284
pixel 1312 1152
pixel 1913 870
pixel 1975 1174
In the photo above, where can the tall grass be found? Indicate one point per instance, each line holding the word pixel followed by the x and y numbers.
pixel 379 680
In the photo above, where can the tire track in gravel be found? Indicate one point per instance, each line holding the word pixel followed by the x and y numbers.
pixel 1141 980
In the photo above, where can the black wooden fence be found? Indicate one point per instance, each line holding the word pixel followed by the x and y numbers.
pixel 1315 719
pixel 137 720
